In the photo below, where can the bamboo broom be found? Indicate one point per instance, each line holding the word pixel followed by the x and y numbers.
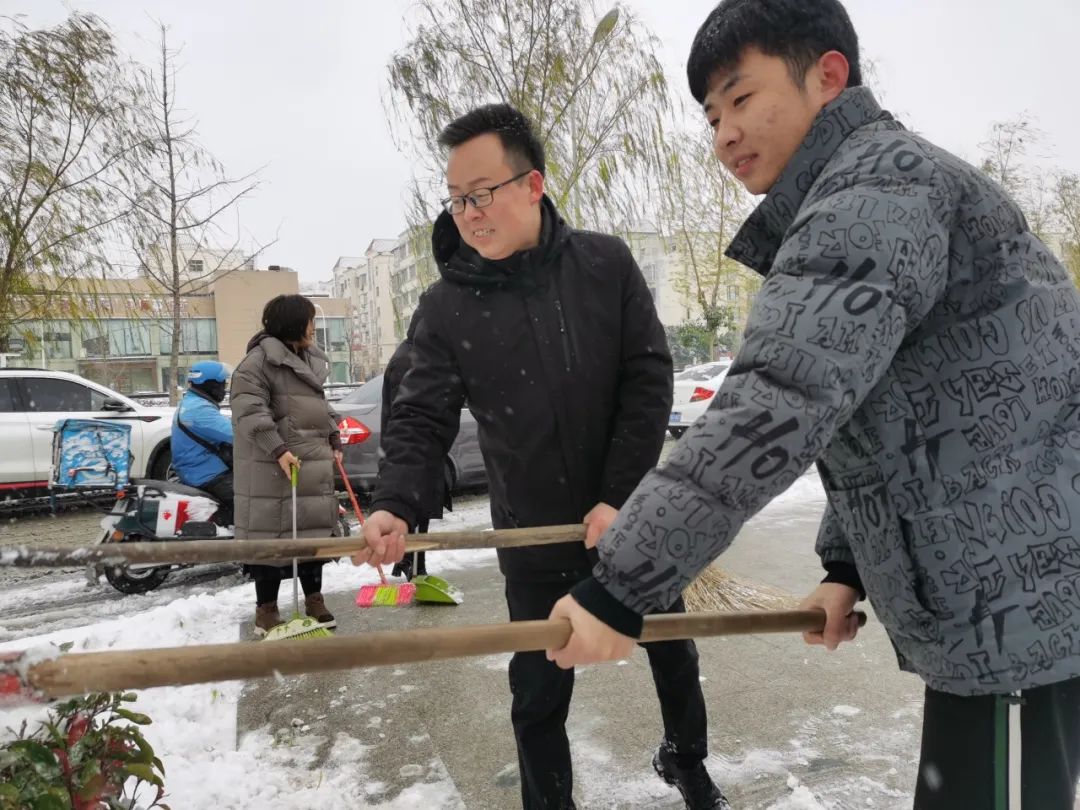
pixel 24 676
pixel 713 589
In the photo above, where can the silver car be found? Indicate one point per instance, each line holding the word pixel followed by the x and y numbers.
pixel 361 431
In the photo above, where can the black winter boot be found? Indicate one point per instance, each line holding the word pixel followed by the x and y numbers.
pixel 694 783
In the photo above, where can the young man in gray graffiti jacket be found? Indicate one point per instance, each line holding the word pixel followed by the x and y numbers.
pixel 917 341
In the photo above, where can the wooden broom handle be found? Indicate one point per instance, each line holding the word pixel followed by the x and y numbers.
pixel 79 673
pixel 219 551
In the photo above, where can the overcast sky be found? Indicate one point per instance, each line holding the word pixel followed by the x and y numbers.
pixel 296 87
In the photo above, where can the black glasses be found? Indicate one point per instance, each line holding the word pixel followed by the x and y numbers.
pixel 477 198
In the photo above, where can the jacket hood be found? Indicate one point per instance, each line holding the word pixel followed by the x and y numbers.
pixel 313 366
pixel 258 338
pixel 460 264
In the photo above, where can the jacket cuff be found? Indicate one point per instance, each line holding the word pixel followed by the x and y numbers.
pixel 596 599
pixel 615 495
pixel 844 573
pixel 279 451
pixel 398 508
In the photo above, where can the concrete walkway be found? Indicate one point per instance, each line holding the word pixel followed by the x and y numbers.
pixel 790 726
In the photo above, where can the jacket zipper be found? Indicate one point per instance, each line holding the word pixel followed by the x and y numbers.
pixel 565 334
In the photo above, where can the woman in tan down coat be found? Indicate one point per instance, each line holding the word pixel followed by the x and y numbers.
pixel 281 418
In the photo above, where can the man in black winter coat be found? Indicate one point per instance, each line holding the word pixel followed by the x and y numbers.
pixel 439 496
pixel 551 336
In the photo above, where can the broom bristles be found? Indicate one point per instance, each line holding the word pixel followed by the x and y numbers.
pixel 716 590
pixel 296 628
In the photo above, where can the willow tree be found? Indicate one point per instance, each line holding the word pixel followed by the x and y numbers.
pixel 591 82
pixel 1067 209
pixel 66 124
pixel 1007 159
pixel 699 207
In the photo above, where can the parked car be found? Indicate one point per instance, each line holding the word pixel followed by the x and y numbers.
pixel 31 403
pixel 361 430
pixel 694 390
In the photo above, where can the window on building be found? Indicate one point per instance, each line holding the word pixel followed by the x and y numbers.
pixel 339 334
pixel 197 336
pixel 53 336
pixel 95 345
pixel 732 293
pixel 178 381
pixel 57 336
pixel 116 338
pixel 129 338
pixel 195 267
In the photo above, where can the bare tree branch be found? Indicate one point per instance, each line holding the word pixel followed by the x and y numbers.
pixel 180 193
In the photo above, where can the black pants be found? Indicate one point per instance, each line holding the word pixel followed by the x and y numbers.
pixel 268 579
pixel 541 701
pixel 967 744
pixel 414 564
pixel 222 489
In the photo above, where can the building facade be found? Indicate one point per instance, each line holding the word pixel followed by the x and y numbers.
pixel 384 285
pixel 365 283
pixel 119 332
pixel 198 265
pixel 414 271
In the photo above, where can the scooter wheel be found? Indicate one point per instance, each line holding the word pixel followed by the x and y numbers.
pixel 141 580
pixel 135 580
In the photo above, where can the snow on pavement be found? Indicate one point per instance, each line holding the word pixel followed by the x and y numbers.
pixel 195 727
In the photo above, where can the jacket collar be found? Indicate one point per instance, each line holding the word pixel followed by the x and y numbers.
pixel 195 392
pixel 758 241
pixel 460 264
pixel 313 368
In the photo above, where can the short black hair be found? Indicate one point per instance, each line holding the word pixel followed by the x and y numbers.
pixel 286 317
pixel 797 31
pixel 523 147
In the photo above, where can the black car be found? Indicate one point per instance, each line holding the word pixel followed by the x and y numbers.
pixel 361 430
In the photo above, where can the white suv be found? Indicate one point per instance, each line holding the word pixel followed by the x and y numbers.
pixel 32 401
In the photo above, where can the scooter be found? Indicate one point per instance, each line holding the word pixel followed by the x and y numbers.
pixel 150 511
pixel 91 455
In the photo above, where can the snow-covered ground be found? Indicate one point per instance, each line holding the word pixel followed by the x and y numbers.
pixel 195 727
